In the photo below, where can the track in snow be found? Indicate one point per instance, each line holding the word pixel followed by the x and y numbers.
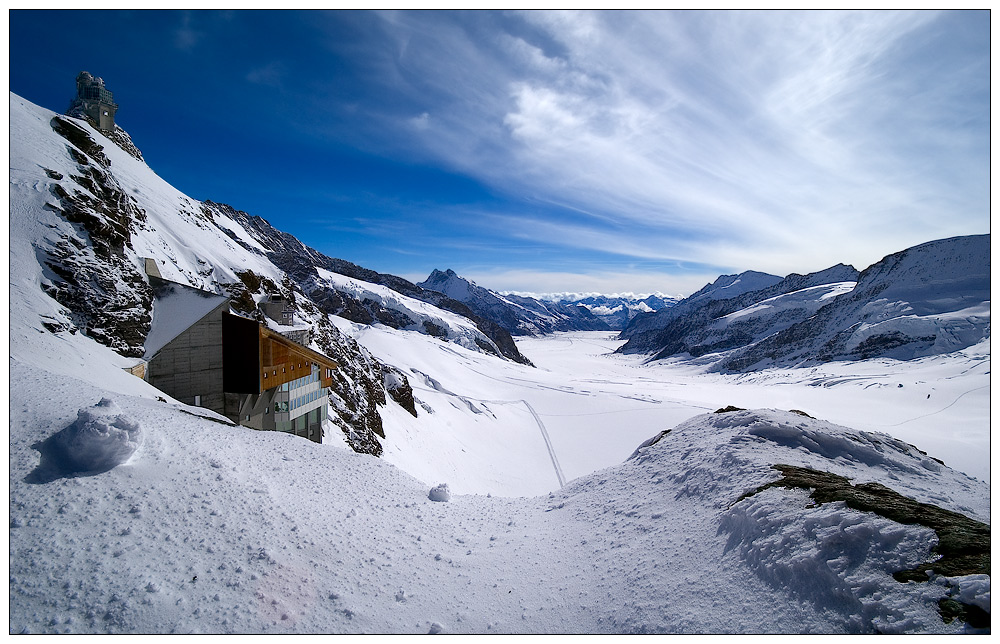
pixel 548 443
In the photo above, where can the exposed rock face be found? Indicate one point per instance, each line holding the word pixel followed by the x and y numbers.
pixel 356 392
pixel 105 293
pixel 119 136
pixel 300 263
pixel 399 388
pixel 515 314
pixel 963 544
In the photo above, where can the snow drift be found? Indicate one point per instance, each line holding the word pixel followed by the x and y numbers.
pixel 100 439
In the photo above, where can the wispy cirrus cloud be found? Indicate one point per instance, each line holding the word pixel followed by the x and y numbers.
pixel 768 140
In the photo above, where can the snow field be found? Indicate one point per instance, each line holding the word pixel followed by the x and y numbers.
pixel 213 528
pixel 598 406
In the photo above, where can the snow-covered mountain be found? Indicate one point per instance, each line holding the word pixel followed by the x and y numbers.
pixel 591 495
pixel 618 310
pixel 517 314
pixel 715 319
pixel 926 300
pixel 92 216
pixel 645 326
pixel 366 296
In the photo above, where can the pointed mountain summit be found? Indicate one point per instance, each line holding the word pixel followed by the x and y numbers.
pixel 518 315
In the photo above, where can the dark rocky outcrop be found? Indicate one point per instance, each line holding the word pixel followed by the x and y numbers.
pixel 398 387
pixel 91 276
pixel 963 546
pixel 357 390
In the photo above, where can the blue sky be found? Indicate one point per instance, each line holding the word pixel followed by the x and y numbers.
pixel 546 152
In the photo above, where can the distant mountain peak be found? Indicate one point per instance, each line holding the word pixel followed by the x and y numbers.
pixel 518 315
pixel 929 299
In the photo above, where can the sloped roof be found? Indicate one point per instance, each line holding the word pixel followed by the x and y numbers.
pixel 176 308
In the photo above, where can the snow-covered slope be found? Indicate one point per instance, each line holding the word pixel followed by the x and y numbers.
pixel 517 314
pixel 927 300
pixel 132 513
pixel 641 330
pixel 188 525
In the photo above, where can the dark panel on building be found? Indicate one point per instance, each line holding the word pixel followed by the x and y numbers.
pixel 240 355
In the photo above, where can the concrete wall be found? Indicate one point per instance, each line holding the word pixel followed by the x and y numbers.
pixel 191 364
pixel 102 113
pixel 106 120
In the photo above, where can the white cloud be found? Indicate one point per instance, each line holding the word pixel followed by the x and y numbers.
pixel 550 283
pixel 421 122
pixel 770 140
pixel 186 37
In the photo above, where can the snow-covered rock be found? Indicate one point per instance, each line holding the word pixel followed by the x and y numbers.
pixel 100 438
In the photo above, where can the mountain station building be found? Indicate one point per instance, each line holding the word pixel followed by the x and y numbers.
pixel 96 101
pixel 200 353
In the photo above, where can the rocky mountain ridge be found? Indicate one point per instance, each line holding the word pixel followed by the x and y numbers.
pixel 618 310
pixel 301 263
pixel 695 331
pixel 724 287
pixel 929 299
pixel 516 314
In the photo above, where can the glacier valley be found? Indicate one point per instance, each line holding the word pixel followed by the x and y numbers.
pixel 467 481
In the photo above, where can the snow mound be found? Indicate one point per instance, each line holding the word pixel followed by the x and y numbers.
pixel 832 555
pixel 440 493
pixel 972 589
pixel 100 439
pixel 812 438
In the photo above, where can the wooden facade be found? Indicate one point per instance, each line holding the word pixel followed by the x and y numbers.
pixel 237 367
pixel 282 361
